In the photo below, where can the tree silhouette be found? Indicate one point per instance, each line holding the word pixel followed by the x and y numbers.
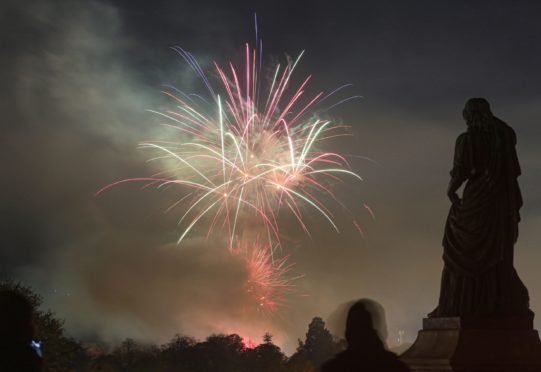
pixel 265 357
pixel 136 357
pixel 219 353
pixel 178 354
pixel 267 338
pixel 318 346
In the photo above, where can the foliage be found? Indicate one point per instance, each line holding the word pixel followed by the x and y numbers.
pixel 318 347
pixel 218 352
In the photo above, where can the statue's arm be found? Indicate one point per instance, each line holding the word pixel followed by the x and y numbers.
pixel 460 170
pixel 454 185
pixel 518 171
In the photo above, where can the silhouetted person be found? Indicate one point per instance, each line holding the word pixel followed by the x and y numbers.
pixel 366 351
pixel 478 277
pixel 16 334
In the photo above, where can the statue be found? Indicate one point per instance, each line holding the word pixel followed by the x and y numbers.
pixel 479 278
pixel 483 321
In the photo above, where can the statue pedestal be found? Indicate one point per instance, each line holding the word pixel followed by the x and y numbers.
pixel 475 345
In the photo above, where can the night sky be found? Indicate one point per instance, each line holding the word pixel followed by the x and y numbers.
pixel 78 78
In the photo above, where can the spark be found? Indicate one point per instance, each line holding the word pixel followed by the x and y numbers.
pixel 370 211
pixel 356 224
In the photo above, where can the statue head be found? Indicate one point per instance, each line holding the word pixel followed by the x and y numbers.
pixel 477 112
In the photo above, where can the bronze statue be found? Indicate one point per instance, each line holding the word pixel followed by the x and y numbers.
pixel 478 277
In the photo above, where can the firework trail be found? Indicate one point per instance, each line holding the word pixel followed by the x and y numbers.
pixel 269 280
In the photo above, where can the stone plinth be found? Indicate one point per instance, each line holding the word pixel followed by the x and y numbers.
pixel 475 345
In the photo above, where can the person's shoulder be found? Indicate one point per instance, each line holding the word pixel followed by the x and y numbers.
pixel 14 358
pixel 351 361
pixel 344 361
pixel 396 364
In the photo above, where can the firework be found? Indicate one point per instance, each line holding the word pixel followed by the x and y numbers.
pixel 253 152
pixel 268 279
pixel 253 149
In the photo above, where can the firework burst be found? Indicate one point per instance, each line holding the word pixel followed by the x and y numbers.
pixel 254 152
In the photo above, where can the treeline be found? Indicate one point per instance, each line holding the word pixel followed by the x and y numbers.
pixel 226 353
pixel 221 353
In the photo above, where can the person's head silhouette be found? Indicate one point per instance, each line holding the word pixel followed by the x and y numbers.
pixel 365 324
pixel 365 334
pixel 15 317
pixel 17 331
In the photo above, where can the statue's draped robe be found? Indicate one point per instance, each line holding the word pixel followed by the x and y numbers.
pixel 478 277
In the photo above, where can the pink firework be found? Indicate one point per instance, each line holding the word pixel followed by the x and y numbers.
pixel 255 151
pixel 269 278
